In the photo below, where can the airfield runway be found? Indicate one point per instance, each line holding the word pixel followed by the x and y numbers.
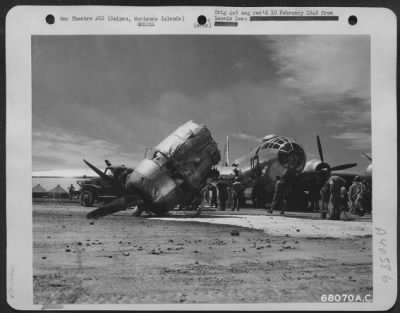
pixel 219 257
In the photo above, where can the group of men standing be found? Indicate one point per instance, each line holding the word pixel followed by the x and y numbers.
pixel 225 193
pixel 334 196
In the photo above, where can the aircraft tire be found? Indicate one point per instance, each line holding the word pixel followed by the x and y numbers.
pixel 137 211
pixel 87 198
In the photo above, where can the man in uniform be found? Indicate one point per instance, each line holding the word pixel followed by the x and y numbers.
pixel 258 193
pixel 334 206
pixel 237 193
pixel 222 194
pixel 71 191
pixel 278 198
pixel 355 194
pixel 213 190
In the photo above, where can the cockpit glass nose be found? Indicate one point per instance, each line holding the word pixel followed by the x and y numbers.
pixel 292 156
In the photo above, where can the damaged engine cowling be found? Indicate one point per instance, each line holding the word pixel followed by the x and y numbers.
pixel 180 164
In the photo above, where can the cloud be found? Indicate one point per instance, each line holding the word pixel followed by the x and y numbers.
pixel 331 76
pixel 54 148
pixel 246 137
pixel 327 66
pixel 357 140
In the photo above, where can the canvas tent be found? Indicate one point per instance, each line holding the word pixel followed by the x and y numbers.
pixel 39 192
pixel 58 192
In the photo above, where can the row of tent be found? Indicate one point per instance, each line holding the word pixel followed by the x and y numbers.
pixel 57 192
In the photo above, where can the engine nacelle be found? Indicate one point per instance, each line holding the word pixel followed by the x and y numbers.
pixel 316 165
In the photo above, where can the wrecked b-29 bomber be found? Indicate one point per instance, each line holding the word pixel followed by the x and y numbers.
pixel 175 173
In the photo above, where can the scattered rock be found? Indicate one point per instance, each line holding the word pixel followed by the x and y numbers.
pixel 235 233
pixel 268 246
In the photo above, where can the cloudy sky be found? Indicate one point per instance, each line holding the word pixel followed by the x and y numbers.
pixel 111 97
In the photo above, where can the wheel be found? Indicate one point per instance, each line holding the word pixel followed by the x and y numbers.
pixel 137 211
pixel 87 198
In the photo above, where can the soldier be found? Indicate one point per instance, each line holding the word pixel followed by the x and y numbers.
pixel 335 184
pixel 355 194
pixel 258 193
pixel 222 194
pixel 237 193
pixel 213 190
pixel 278 198
pixel 71 191
pixel 323 178
pixel 367 196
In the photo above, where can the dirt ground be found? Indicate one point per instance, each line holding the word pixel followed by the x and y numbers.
pixel 123 259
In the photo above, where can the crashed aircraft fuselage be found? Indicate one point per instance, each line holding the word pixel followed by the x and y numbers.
pixel 176 172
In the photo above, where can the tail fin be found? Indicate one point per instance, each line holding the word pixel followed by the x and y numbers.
pixel 226 152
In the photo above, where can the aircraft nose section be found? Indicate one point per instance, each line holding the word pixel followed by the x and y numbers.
pixel 292 156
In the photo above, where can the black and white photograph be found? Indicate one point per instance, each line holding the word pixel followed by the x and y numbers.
pixel 202 169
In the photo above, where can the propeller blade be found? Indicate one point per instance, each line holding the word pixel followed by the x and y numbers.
pixel 321 155
pixel 118 204
pixel 367 156
pixel 343 166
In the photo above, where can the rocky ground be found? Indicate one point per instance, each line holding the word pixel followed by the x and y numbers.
pixel 123 259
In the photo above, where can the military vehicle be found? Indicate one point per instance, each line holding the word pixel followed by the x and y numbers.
pixel 99 189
